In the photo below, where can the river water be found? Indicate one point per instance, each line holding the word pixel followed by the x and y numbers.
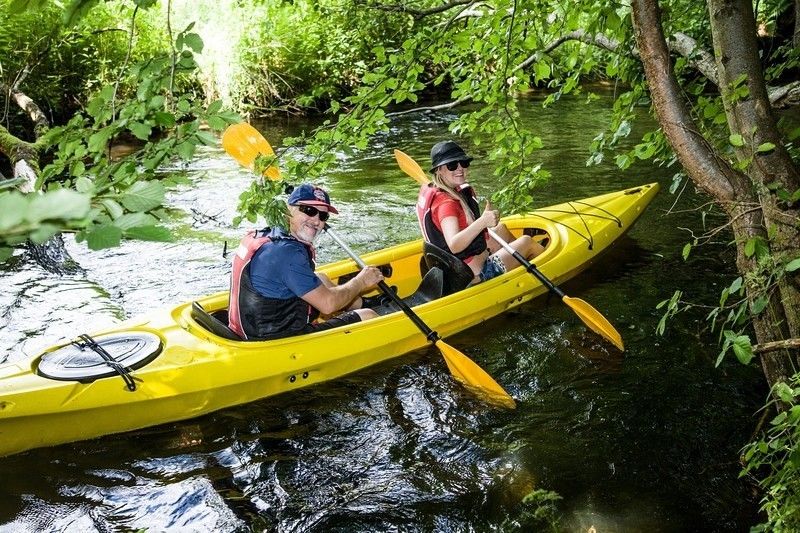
pixel 645 442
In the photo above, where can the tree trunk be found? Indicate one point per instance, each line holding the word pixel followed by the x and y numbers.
pixel 24 156
pixel 796 36
pixel 742 194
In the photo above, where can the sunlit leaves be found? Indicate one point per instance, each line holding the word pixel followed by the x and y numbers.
pixel 102 236
pixel 756 246
pixel 18 6
pixel 740 344
pixel 143 196
pixel 673 307
pixel 736 140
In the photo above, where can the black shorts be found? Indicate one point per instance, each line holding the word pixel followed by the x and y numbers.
pixel 348 317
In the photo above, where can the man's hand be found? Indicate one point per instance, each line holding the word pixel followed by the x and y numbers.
pixel 368 278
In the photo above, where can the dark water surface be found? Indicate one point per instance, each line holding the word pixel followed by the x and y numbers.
pixel 648 442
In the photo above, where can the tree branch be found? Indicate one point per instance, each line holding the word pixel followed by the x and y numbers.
pixel 785 344
pixel 39 119
pixel 680 43
pixel 418 14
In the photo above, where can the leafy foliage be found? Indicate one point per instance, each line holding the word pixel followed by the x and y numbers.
pixel 774 457
pixel 105 198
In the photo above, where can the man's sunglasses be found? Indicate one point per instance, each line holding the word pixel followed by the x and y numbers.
pixel 313 211
pixel 452 165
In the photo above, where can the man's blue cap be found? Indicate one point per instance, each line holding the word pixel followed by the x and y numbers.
pixel 307 194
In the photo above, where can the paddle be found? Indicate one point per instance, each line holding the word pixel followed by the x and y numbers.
pixel 461 367
pixel 244 143
pixel 588 314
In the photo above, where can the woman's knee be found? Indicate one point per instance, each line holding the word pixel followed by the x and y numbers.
pixel 366 314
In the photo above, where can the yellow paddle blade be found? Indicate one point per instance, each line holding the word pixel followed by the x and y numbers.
pixel 595 321
pixel 411 167
pixel 245 143
pixel 474 377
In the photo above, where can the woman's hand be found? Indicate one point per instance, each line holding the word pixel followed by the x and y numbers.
pixel 490 217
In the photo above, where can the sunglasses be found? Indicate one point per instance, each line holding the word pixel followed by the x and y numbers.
pixel 313 211
pixel 451 166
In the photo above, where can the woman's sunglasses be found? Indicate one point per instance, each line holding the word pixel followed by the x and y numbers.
pixel 313 211
pixel 451 166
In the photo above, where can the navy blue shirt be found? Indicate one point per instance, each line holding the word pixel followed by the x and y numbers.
pixel 282 268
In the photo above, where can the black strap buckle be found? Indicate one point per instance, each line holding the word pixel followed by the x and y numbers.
pixel 124 372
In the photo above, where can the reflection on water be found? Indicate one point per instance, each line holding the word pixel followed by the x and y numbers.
pixel 644 442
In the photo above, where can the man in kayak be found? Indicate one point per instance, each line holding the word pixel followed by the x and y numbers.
pixel 274 290
pixel 450 217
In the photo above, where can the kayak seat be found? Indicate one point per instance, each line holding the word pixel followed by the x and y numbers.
pixel 212 324
pixel 430 288
pixel 457 275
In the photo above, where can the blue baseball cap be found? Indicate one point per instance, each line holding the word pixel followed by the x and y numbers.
pixel 307 194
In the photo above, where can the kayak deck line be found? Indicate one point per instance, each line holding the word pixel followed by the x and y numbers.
pixel 198 371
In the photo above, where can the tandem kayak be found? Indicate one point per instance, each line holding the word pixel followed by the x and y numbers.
pixel 182 362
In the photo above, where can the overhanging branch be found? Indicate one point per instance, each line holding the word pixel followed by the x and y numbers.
pixel 680 43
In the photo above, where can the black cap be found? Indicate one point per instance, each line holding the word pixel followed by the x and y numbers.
pixel 446 152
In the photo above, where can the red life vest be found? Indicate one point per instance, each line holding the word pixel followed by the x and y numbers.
pixel 248 246
pixel 254 316
pixel 427 194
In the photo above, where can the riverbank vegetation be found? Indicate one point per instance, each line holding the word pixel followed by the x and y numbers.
pixel 714 74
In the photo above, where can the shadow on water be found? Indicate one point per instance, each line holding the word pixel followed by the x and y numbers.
pixel 642 441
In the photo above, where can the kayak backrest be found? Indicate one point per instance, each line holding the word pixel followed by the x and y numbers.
pixel 212 324
pixel 457 275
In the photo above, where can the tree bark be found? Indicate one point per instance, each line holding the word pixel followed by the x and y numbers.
pixel 24 156
pixel 736 191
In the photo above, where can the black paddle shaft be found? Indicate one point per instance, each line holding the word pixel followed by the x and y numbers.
pixel 530 267
pixel 431 335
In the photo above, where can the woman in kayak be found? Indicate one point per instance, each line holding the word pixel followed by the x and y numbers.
pixel 274 290
pixel 450 217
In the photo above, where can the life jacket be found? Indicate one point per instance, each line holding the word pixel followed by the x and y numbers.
pixel 432 234
pixel 252 315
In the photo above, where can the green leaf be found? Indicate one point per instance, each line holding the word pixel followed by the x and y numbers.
pixel 750 247
pixel 162 118
pixel 736 285
pixel 206 138
pixel 784 392
pixel 150 233
pixel 736 140
pixel 765 147
pixel 140 130
pixel 98 140
pixel 793 265
pixel 542 70
pixel 216 123
pixel 76 10
pixel 186 149
pixel 214 107
pixel 686 249
pixel 193 41
pixel 13 207
pixel 143 196
pixel 133 220
pixel 759 305
pixel 61 204
pixel 113 208
pixel 104 236
pixel 42 233
pixel 84 185
pixel 743 349
pixel 19 6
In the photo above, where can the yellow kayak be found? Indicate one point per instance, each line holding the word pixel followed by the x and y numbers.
pixel 182 362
